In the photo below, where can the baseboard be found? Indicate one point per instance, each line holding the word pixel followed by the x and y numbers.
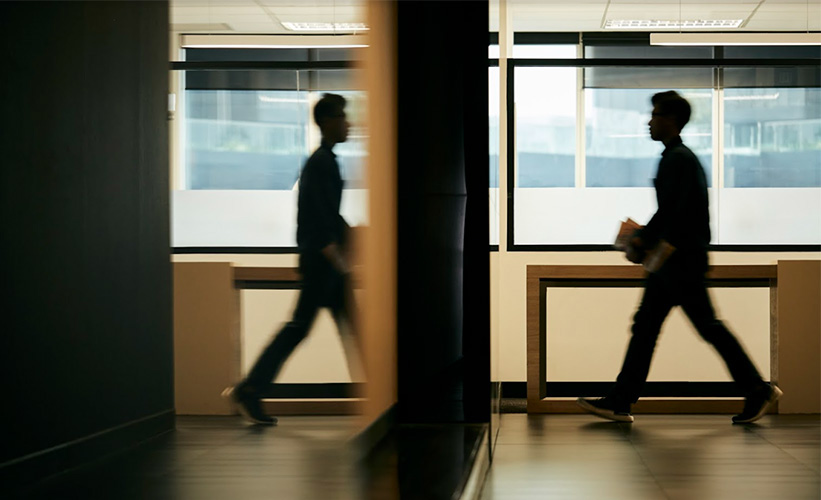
pixel 659 389
pixel 480 465
pixel 367 439
pixel 653 406
pixel 24 471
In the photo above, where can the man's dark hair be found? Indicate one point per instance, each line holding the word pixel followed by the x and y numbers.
pixel 329 106
pixel 672 104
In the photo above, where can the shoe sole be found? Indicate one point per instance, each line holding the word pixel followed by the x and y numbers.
pixel 605 414
pixel 230 395
pixel 775 396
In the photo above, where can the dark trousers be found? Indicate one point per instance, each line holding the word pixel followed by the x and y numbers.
pixel 322 286
pixel 661 293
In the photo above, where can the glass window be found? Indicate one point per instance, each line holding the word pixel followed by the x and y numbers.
pixel 618 149
pixel 245 139
pixel 493 127
pixel 544 51
pixel 646 52
pixel 493 52
pixel 351 153
pixel 772 137
pixel 545 106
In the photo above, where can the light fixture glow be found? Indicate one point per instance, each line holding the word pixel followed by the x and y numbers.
pixel 763 97
pixel 637 24
pixel 325 26
pixel 723 39
pixel 272 41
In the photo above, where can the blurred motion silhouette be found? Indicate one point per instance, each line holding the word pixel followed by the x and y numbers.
pixel 683 222
pixel 323 245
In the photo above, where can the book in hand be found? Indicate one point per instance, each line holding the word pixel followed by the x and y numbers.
pixel 626 231
pixel 654 258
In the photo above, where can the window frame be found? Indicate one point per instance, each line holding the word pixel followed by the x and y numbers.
pixel 717 62
pixel 303 65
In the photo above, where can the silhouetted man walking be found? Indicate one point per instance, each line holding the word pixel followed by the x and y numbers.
pixel 322 242
pixel 683 221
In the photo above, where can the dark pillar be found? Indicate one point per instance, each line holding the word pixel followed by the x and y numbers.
pixel 443 261
pixel 87 361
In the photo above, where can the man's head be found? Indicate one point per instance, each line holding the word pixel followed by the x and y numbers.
pixel 329 115
pixel 671 112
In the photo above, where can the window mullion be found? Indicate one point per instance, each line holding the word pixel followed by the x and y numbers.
pixel 581 164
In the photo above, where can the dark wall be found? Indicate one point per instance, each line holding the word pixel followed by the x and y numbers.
pixel 443 261
pixel 86 341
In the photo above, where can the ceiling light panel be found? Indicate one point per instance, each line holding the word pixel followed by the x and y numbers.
pixel 639 24
pixel 704 15
pixel 313 27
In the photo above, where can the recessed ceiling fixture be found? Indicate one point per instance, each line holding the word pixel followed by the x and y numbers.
pixel 271 41
pixel 724 39
pixel 637 24
pixel 348 27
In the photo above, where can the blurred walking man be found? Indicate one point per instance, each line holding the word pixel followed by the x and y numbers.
pixel 683 221
pixel 322 240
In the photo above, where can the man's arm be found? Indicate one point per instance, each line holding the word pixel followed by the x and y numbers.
pixel 319 193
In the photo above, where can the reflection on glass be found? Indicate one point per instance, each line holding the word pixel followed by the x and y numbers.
pixel 351 154
pixel 244 139
pixel 545 127
pixel 252 139
pixel 493 163
pixel 619 151
pixel 772 137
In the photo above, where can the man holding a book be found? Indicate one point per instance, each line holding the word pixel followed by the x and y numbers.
pixel 673 248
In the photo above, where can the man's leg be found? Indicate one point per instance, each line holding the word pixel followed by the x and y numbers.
pixel 247 393
pixel 655 305
pixel 270 362
pixel 698 307
pixel 345 316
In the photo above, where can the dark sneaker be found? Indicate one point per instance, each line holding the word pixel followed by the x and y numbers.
pixel 757 404
pixel 248 405
pixel 604 409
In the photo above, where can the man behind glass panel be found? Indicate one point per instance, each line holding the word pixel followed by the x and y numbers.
pixel 321 237
pixel 683 221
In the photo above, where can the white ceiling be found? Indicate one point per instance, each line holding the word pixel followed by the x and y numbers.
pixel 260 16
pixel 266 16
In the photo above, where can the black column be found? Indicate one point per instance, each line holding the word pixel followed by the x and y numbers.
pixel 443 261
pixel 86 347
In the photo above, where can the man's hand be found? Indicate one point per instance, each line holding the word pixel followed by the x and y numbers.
pixel 635 251
pixel 337 259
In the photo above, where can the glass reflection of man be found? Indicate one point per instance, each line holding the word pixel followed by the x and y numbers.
pixel 683 221
pixel 322 236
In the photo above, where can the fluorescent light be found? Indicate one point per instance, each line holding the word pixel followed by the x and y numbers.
pixel 272 41
pixel 634 24
pixel 325 26
pixel 265 98
pixel 763 97
pixel 735 39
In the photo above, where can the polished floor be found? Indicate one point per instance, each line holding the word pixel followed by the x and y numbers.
pixel 311 458
pixel 222 458
pixel 681 457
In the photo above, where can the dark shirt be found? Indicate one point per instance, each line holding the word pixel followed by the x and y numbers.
pixel 320 193
pixel 682 218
